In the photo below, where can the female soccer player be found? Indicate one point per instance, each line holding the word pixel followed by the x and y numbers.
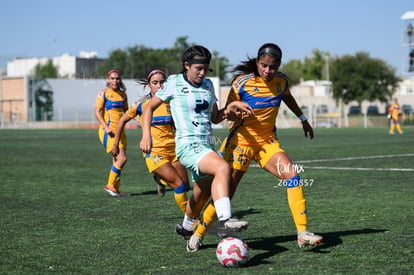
pixel 193 107
pixel 395 112
pixel 161 160
pixel 110 105
pixel 253 137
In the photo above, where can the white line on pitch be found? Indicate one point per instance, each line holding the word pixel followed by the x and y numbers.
pixel 354 158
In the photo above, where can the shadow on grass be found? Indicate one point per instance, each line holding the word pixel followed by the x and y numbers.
pixel 330 239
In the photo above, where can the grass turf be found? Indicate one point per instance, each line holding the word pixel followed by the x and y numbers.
pixel 55 216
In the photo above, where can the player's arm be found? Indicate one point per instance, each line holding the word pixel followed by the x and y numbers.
pixel 145 143
pixel 290 101
pixel 99 117
pixel 118 132
pixel 232 110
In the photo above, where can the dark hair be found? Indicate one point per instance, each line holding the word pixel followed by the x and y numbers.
pixel 147 80
pixel 249 66
pixel 197 50
pixel 270 49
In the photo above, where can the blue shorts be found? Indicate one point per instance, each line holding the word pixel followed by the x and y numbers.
pixel 190 155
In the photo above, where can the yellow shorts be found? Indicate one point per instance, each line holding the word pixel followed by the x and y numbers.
pixel 155 160
pixel 240 156
pixel 108 140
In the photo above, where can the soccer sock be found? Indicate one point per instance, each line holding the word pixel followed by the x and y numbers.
pixel 180 196
pixel 188 223
pixel 399 128
pixel 209 217
pixel 223 208
pixel 297 203
pixel 392 128
pixel 114 179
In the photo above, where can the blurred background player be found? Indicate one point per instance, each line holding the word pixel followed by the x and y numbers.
pixel 253 137
pixel 110 105
pixel 161 160
pixel 193 107
pixel 395 112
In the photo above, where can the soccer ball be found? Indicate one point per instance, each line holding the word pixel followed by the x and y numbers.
pixel 232 252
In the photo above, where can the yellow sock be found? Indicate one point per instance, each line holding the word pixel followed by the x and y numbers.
pixel 392 128
pixel 114 179
pixel 209 217
pixel 297 204
pixel 399 128
pixel 181 200
pixel 180 196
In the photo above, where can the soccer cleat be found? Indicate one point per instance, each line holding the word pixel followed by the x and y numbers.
pixel 230 226
pixel 194 243
pixel 112 191
pixel 306 238
pixel 179 229
pixel 160 186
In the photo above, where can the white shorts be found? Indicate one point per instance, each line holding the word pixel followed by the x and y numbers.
pixel 190 155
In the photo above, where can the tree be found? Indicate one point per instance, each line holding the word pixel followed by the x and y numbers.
pixel 47 70
pixel 314 67
pixel 294 70
pixel 361 77
pixel 135 62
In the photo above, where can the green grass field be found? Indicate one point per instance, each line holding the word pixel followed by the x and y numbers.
pixel 56 218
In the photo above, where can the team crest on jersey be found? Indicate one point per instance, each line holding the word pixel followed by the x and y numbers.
pixel 255 90
pixel 279 88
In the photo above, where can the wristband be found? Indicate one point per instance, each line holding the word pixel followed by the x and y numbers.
pixel 303 118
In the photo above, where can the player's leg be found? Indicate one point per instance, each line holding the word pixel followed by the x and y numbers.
pixel 168 173
pixel 119 163
pixel 201 194
pixel 392 126
pixel 209 216
pixel 398 126
pixel 216 166
pixel 281 166
pixel 114 177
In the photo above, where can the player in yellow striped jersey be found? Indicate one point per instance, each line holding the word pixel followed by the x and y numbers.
pixel 111 103
pixel 253 136
pixel 395 112
pixel 162 160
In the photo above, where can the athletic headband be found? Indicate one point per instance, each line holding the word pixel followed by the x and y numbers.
pixel 112 71
pixel 155 72
pixel 272 51
pixel 199 61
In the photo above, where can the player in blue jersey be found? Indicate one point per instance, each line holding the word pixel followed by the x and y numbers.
pixel 193 107
pixel 253 137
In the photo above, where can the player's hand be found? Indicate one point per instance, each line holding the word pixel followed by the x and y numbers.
pixel 307 128
pixel 114 151
pixel 145 144
pixel 109 131
pixel 238 109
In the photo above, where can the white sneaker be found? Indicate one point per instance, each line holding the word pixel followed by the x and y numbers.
pixel 306 238
pixel 112 191
pixel 194 243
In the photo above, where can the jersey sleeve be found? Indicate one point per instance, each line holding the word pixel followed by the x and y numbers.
pixel 100 100
pixel 166 93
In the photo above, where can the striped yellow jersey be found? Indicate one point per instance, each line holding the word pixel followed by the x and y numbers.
pixel 162 126
pixel 265 98
pixel 395 111
pixel 114 104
